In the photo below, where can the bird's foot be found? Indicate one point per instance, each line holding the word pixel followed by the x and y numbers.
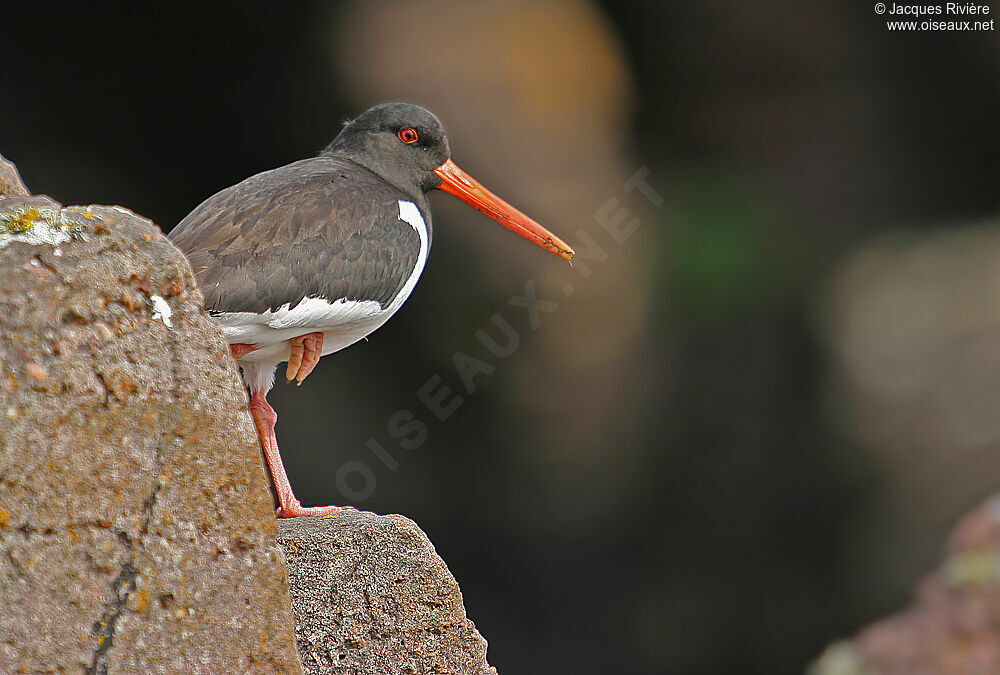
pixel 306 351
pixel 294 508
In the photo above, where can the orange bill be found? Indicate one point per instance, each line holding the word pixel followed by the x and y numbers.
pixel 457 182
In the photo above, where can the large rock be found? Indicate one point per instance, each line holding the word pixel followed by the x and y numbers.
pixel 371 596
pixel 136 525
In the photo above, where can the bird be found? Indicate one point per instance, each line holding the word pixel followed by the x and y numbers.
pixel 301 261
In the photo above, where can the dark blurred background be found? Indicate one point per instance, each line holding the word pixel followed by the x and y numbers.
pixel 746 431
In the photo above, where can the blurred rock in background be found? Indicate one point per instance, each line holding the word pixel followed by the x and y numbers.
pixel 951 629
pixel 914 327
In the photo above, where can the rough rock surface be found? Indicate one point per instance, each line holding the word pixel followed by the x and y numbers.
pixel 136 527
pixel 10 180
pixel 953 628
pixel 371 595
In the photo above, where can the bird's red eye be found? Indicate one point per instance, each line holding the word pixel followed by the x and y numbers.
pixel 407 135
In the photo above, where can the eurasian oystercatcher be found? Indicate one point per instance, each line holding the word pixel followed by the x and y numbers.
pixel 304 260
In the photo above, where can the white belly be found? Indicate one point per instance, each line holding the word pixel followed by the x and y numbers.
pixel 342 322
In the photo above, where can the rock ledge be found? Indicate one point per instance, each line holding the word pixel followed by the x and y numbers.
pixel 371 595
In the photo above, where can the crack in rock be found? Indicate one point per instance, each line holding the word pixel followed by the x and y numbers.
pixel 125 583
pixel 122 588
pixel 104 629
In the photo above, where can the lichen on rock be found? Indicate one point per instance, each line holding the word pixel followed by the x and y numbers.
pixel 38 224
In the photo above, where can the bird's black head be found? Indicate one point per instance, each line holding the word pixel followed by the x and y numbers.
pixel 405 145
pixel 401 142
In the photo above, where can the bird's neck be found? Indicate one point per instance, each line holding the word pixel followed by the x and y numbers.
pixel 414 192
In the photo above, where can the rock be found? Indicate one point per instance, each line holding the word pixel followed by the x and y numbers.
pixel 136 525
pixel 10 180
pixel 952 628
pixel 371 595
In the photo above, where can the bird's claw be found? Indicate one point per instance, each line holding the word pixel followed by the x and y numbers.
pixel 305 353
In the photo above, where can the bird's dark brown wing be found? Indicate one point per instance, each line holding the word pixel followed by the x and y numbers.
pixel 321 227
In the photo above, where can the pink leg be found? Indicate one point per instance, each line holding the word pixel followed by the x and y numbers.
pixel 239 350
pixel 264 419
pixel 306 351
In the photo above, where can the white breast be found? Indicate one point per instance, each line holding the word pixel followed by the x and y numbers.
pixel 342 322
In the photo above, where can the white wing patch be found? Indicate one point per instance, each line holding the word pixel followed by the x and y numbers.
pixel 408 212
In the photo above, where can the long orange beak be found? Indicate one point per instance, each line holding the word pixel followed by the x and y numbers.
pixel 456 182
